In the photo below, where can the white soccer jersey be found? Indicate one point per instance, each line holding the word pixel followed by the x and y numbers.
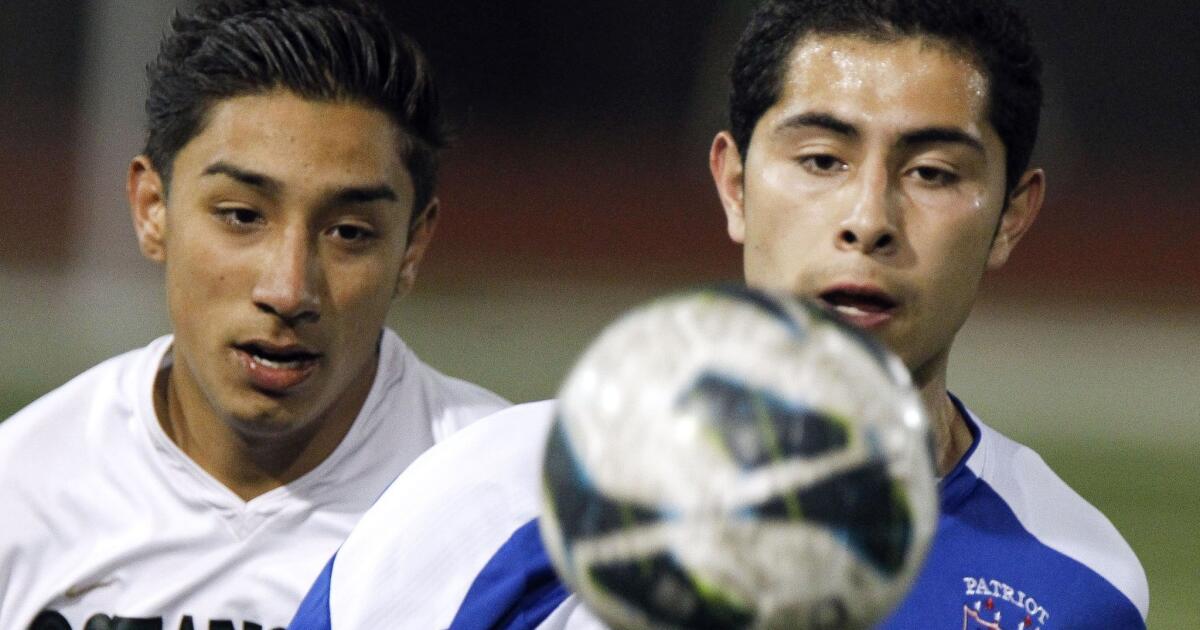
pixel 410 560
pixel 454 543
pixel 105 523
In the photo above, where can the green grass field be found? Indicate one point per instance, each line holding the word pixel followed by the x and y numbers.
pixel 1117 420
pixel 1150 495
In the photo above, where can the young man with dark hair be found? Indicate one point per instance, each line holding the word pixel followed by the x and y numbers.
pixel 200 482
pixel 877 162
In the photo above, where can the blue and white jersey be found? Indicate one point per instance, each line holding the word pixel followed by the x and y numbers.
pixel 1018 549
pixel 454 543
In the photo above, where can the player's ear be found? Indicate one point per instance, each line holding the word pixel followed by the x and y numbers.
pixel 148 203
pixel 419 235
pixel 1023 205
pixel 725 163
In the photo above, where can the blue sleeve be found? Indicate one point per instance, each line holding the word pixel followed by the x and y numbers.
pixel 314 610
pixel 516 590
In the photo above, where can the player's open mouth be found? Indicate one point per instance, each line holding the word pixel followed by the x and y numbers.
pixel 864 307
pixel 276 368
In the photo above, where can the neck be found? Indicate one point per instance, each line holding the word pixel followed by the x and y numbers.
pixel 249 464
pixel 951 436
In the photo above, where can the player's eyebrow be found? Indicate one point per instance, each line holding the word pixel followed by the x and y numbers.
pixel 940 135
pixel 265 183
pixel 344 195
pixel 349 195
pixel 821 120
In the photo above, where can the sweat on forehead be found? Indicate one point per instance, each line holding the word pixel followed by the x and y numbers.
pixel 989 33
pixel 843 62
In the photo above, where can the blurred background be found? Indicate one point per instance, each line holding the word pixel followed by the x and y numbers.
pixel 578 187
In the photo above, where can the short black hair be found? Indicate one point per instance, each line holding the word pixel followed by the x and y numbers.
pixel 332 50
pixel 991 32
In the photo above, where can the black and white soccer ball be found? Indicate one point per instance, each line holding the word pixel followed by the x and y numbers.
pixel 727 458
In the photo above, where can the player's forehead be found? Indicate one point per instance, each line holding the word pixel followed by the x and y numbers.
pixel 286 112
pixel 869 76
pixel 314 139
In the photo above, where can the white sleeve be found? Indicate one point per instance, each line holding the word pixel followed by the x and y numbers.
pixel 412 558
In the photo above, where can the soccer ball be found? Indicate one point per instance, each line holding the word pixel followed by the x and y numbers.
pixel 726 458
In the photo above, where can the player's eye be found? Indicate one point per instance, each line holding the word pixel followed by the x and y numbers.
pixel 822 164
pixel 351 233
pixel 239 217
pixel 934 176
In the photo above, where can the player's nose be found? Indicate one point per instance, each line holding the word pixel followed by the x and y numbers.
pixel 870 225
pixel 289 279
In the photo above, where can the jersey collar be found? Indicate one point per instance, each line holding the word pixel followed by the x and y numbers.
pixel 956 485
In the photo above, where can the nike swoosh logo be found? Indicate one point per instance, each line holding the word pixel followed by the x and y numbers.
pixel 79 590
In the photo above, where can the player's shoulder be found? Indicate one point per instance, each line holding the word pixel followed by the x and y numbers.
pixel 57 451
pixel 452 403
pixel 488 469
pixel 1056 515
pixel 83 410
pixel 516 428
pixel 501 450
pixel 415 553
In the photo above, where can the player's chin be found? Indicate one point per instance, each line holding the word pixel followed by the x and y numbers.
pixel 268 429
pixel 267 417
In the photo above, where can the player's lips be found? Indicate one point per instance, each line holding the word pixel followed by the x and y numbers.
pixel 861 305
pixel 274 367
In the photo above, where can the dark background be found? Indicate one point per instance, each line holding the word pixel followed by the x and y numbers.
pixel 583 128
